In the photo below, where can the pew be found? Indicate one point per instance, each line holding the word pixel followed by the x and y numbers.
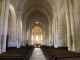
pixel 59 53
pixel 22 53
pixel 12 57
pixel 68 58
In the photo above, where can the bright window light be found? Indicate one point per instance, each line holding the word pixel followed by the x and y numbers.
pixel 37 38
pixel 41 37
pixel 32 37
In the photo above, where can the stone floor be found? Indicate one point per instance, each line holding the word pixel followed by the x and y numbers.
pixel 37 55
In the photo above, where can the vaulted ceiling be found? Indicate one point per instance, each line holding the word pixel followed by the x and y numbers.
pixel 34 6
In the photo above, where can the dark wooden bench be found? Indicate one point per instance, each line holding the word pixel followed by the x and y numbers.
pixel 23 53
pixel 14 56
pixel 68 58
pixel 56 54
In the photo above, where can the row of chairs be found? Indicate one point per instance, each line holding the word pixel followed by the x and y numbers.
pixel 52 53
pixel 22 53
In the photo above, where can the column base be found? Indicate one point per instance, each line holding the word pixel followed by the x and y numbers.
pixel 3 50
pixel 69 49
pixel 0 52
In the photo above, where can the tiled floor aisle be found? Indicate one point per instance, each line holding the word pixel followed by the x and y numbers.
pixel 37 55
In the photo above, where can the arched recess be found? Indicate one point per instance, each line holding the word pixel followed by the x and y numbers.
pixel 11 34
pixel 36 17
pixel 36 35
pixel 51 4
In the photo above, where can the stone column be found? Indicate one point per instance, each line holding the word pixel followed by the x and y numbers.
pixel 68 25
pixel 47 37
pixel 76 12
pixel 61 27
pixel 18 28
pixel 72 25
pixel 24 32
pixel 0 23
pixel 50 31
pixel 55 30
pixel 2 9
pixel 21 41
pixel 12 27
pixel 5 25
pixel 29 36
pixel 44 42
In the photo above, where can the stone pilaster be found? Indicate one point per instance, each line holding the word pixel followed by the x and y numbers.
pixel 29 36
pixel 21 40
pixel 12 28
pixel 50 33
pixel 18 28
pixel 44 42
pixel 71 3
pixel 2 8
pixel 76 12
pixel 24 32
pixel 61 26
pixel 55 30
pixel 5 25
pixel 68 25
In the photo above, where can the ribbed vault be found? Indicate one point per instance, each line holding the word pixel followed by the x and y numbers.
pixel 39 3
